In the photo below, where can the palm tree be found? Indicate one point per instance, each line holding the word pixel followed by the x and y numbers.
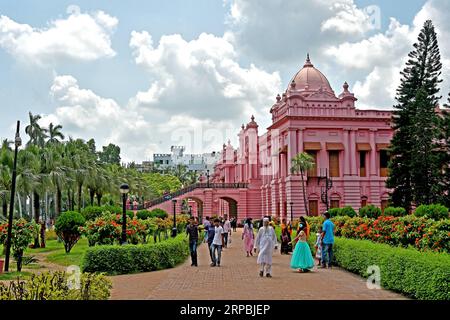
pixel 54 132
pixel 6 163
pixel 301 163
pixel 34 130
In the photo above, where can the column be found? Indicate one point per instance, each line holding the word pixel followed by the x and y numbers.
pixel 300 132
pixel 353 170
pixel 373 152
pixel 292 148
pixel 346 153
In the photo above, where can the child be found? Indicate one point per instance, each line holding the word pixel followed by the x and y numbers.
pixel 318 245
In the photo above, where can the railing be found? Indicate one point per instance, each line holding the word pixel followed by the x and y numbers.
pixel 194 186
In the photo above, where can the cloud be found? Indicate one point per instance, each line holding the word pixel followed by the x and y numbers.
pixel 380 58
pixel 80 37
pixel 201 78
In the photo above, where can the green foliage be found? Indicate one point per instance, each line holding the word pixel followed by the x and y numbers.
pixel 143 214
pixel 416 274
pixel 57 286
pixel 433 211
pixel 370 211
pixel 394 211
pixel 92 212
pixel 334 212
pixel 160 183
pixel 345 211
pixel 110 154
pixel 139 258
pixel 67 228
pixel 158 213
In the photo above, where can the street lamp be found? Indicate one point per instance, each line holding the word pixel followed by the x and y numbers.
pixel 17 144
pixel 174 229
pixel 292 216
pixel 207 177
pixel 124 189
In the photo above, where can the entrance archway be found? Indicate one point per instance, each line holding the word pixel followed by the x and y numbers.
pixel 199 208
pixel 232 207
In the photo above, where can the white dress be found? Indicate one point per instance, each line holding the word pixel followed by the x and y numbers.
pixel 266 241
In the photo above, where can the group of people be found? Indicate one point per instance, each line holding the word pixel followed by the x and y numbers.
pixel 218 236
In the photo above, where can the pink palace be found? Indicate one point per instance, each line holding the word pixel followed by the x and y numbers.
pixel 348 145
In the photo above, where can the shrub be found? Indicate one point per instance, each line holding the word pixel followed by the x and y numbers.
pixel 348 211
pixel 370 211
pixel 416 274
pixel 334 212
pixel 139 258
pixel 158 213
pixel 92 212
pixel 394 211
pixel 67 228
pixel 433 211
pixel 57 286
pixel 112 209
pixel 143 214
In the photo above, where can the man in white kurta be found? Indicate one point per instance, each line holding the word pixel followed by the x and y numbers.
pixel 266 242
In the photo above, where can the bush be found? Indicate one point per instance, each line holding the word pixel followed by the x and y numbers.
pixel 433 211
pixel 67 228
pixel 334 212
pixel 57 286
pixel 143 214
pixel 158 213
pixel 139 258
pixel 394 211
pixel 92 212
pixel 416 274
pixel 348 211
pixel 370 211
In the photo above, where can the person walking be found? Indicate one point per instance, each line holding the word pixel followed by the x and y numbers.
pixel 306 226
pixel 266 241
pixel 234 223
pixel 206 224
pixel 248 236
pixel 217 243
pixel 210 239
pixel 302 259
pixel 318 245
pixel 327 241
pixel 226 231
pixel 192 231
pixel 285 236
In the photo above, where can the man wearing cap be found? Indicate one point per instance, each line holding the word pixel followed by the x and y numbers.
pixel 266 242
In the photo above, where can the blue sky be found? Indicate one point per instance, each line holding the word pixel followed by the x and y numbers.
pixel 253 49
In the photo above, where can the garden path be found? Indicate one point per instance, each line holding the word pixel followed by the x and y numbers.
pixel 238 279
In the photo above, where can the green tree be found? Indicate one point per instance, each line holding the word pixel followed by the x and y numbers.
pixel 445 125
pixel 54 133
pixel 301 163
pixel 34 130
pixel 422 72
pixel 110 154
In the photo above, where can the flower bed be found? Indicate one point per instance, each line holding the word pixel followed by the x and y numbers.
pixel 136 258
pixel 419 232
pixel 420 275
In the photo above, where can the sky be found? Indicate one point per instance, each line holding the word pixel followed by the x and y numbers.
pixel 147 75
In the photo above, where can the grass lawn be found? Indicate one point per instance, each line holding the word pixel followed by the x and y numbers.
pixel 14 274
pixel 74 257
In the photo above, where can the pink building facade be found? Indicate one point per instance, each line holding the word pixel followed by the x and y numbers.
pixel 348 145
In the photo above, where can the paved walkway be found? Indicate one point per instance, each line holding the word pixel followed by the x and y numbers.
pixel 238 279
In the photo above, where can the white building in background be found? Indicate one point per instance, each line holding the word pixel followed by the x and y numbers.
pixel 193 162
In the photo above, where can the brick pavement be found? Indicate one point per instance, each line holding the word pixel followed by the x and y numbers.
pixel 238 279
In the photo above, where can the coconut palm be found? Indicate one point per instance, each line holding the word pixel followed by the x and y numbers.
pixel 34 130
pixel 54 133
pixel 301 163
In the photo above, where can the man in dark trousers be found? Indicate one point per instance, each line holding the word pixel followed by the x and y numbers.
pixel 192 231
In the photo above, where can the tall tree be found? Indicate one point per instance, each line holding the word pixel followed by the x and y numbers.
pixel 301 163
pixel 34 130
pixel 446 154
pixel 110 154
pixel 422 72
pixel 54 133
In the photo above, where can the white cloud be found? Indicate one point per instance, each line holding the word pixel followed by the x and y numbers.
pixel 80 36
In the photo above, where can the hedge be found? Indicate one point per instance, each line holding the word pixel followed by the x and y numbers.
pixel 115 259
pixel 420 275
pixel 433 211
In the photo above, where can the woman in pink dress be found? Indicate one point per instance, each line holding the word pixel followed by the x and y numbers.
pixel 248 237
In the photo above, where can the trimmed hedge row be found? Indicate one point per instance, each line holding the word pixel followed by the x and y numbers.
pixel 114 259
pixel 420 275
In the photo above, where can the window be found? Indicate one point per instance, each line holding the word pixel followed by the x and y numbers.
pixel 333 158
pixel 362 163
pixel 384 159
pixel 363 202
pixel 334 204
pixel 313 171
pixel 313 208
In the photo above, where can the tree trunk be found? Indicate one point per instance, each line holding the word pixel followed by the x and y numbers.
pixel 20 204
pixel 304 193
pixel 37 213
pixel 57 203
pixel 99 199
pixel 5 207
pixel 91 196
pixel 73 201
pixel 43 234
pixel 80 188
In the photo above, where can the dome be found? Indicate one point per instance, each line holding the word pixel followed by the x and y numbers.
pixel 310 79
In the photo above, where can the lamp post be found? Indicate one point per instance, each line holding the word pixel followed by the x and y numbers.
pixel 207 177
pixel 174 229
pixel 292 216
pixel 17 144
pixel 124 189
